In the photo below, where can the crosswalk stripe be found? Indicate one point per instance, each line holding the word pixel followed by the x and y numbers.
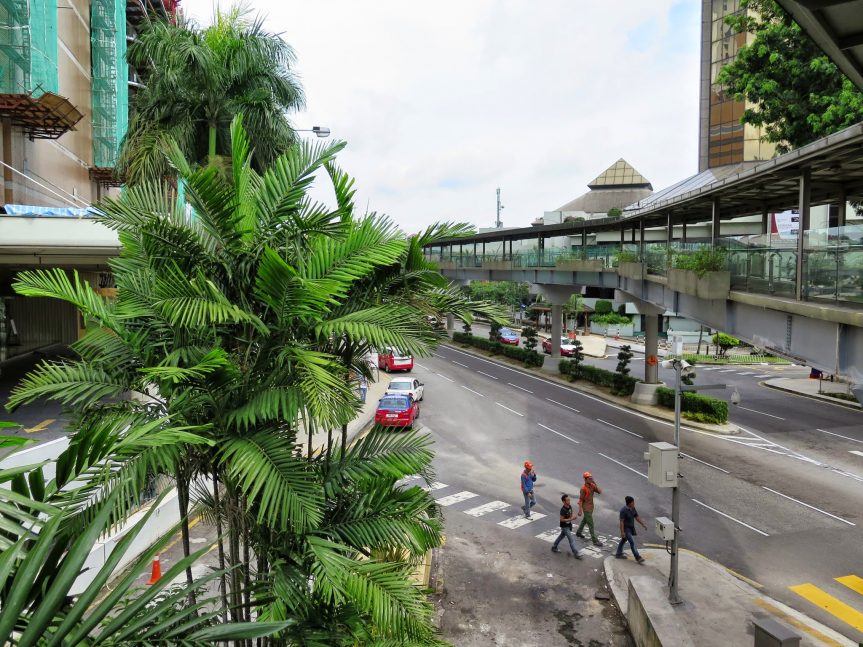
pixel 437 485
pixel 519 521
pixel 485 509
pixel 855 452
pixel 852 582
pixel 764 375
pixel 835 607
pixel 458 497
pixel 549 535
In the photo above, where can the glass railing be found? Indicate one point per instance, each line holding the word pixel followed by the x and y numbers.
pixel 833 265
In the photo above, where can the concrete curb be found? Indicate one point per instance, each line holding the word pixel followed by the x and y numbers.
pixel 812 396
pixel 649 411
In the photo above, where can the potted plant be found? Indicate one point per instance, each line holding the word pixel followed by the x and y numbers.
pixel 701 273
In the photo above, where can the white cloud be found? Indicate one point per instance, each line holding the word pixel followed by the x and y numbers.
pixel 442 102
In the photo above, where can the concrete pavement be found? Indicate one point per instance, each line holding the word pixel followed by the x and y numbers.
pixel 718 606
pixel 815 389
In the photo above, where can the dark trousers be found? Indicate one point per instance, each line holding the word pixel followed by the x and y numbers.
pixel 628 538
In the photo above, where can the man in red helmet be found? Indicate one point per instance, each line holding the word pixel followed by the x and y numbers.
pixel 585 506
pixel 528 478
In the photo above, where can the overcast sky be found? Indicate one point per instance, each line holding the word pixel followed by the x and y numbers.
pixel 441 102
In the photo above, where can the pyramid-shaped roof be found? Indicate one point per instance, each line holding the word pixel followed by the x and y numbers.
pixel 620 175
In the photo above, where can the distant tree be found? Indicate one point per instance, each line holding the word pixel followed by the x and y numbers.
pixel 623 359
pixel 614 212
pixel 529 337
pixel 725 342
pixel 602 307
pixel 467 328
pixel 796 93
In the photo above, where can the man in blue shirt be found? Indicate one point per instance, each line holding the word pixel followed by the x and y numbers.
pixel 528 476
pixel 628 517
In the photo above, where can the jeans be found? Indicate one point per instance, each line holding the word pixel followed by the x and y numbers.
pixel 622 543
pixel 363 391
pixel 566 532
pixel 529 502
pixel 587 520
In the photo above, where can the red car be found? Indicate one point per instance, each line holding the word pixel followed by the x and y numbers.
pixel 567 348
pixel 397 411
pixel 393 360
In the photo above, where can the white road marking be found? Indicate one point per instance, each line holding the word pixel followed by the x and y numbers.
pixel 632 433
pixel 421 366
pixel 485 509
pixel 437 485
pixel 458 497
pixel 445 377
pixel 487 375
pixel 854 451
pixel 520 387
pixel 549 535
pixel 746 373
pixel 760 412
pixel 708 368
pixel 572 440
pixel 460 364
pixel 436 355
pixel 704 505
pixel 764 375
pixel 472 391
pixel 510 410
pixel 812 507
pixel 853 440
pixel 561 404
pixel 698 460
pixel 622 464
pixel 520 520
pixel 728 370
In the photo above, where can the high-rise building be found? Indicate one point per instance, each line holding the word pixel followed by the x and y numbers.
pixel 722 138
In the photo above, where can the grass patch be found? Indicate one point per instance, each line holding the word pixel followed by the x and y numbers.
pixel 692 358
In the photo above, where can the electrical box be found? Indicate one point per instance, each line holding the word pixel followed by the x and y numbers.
pixel 665 528
pixel 662 464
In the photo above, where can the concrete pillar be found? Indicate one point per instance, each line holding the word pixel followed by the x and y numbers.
pixel 450 324
pixel 641 237
pixel 622 236
pixel 683 231
pixel 556 316
pixel 803 201
pixel 651 347
pixel 714 220
pixel 843 207
pixel 765 221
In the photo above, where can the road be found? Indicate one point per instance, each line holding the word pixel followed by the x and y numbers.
pixel 780 503
pixel 40 421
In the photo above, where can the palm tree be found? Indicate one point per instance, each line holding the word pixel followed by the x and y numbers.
pixel 223 323
pixel 197 80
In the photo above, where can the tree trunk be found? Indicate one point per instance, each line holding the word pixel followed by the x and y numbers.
pixel 223 581
pixel 183 504
pixel 247 579
pixel 211 150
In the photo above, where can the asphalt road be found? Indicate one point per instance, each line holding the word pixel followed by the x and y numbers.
pixel 40 421
pixel 779 503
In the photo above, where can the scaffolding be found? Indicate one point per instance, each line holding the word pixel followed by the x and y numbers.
pixel 110 85
pixel 28 47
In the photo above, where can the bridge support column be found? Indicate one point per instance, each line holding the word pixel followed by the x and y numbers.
pixel 651 348
pixel 556 317
pixel 645 392
pixel 841 211
pixel 450 324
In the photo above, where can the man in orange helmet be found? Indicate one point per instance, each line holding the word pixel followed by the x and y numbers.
pixel 528 478
pixel 585 507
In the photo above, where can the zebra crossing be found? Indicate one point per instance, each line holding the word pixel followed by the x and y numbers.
pixel 723 369
pixel 495 509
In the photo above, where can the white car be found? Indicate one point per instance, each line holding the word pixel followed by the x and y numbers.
pixel 407 386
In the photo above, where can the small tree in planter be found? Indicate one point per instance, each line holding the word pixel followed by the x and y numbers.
pixel 577 355
pixel 529 337
pixel 624 357
pixel 466 327
pixel 724 343
pixel 494 332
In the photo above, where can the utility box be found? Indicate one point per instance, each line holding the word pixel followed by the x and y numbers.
pixel 665 528
pixel 772 633
pixel 662 464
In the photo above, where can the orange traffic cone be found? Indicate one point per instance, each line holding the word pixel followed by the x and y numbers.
pixel 157 571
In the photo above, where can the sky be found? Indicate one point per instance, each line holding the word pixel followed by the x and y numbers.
pixel 442 102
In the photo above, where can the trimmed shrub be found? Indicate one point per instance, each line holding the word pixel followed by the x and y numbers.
pixel 611 318
pixel 530 358
pixel 619 384
pixel 602 307
pixel 695 406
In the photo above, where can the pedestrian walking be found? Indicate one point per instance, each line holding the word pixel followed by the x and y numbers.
pixel 364 387
pixel 566 527
pixel 585 507
pixel 628 517
pixel 528 478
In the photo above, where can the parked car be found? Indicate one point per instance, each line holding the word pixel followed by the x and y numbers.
pixel 397 410
pixel 509 336
pixel 407 386
pixel 392 359
pixel 567 348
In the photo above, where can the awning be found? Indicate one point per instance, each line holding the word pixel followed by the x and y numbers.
pixel 33 211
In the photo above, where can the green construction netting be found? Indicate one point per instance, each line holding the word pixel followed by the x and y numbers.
pixel 28 47
pixel 110 79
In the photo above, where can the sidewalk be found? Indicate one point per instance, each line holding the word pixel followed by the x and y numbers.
pixel 718 607
pixel 809 388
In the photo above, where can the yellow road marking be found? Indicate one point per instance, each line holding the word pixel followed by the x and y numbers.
pixel 852 582
pixel 41 426
pixel 794 622
pixel 835 607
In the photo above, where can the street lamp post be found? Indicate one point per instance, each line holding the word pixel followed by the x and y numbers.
pixel 673 595
pixel 320 131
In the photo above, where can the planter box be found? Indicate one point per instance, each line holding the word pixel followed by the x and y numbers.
pixel 447 265
pixel 631 270
pixel 588 265
pixel 713 285
pixel 612 329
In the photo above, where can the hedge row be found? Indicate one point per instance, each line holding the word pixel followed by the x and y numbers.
pixel 619 384
pixel 528 357
pixel 696 406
